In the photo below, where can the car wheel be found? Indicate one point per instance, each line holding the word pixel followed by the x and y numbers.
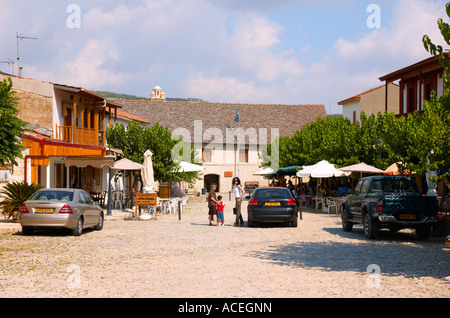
pixel 78 230
pixel 250 223
pixel 370 227
pixel 347 226
pixel 423 232
pixel 99 226
pixel 27 230
pixel 294 223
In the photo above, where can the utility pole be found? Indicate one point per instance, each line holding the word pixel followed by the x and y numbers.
pixel 20 37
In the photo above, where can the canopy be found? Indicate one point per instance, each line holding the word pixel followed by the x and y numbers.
pixel 288 171
pixel 323 169
pixel 392 170
pixel 148 180
pixel 361 167
pixel 266 172
pixel 126 164
pixel 189 167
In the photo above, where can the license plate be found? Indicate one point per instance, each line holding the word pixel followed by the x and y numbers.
pixel 43 210
pixel 273 203
pixel 407 216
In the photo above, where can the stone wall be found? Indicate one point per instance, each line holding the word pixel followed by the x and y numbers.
pixel 36 109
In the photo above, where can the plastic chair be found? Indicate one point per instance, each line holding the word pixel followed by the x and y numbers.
pixel 118 199
pixel 331 204
pixel 319 201
pixel 173 205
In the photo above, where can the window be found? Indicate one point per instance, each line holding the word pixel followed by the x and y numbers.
pixel 358 187
pixel 207 154
pixel 428 89
pixel 411 99
pixel 365 187
pixel 243 155
pixel 52 195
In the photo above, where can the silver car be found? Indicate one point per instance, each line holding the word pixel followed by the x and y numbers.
pixel 73 209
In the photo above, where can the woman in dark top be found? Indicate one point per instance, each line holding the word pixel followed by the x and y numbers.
pixel 212 201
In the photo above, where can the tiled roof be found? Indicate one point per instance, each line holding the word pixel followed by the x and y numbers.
pixel 129 116
pixel 358 97
pixel 182 114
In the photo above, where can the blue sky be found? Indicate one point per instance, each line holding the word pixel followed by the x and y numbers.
pixel 254 51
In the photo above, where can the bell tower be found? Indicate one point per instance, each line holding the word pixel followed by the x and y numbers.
pixel 157 93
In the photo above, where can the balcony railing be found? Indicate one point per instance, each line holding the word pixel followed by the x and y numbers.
pixel 81 136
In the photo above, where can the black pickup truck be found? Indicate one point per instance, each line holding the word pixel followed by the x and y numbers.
pixel 392 202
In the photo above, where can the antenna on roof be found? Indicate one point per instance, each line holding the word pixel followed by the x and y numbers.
pixel 10 63
pixel 20 37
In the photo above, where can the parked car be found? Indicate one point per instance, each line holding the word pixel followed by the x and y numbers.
pixel 392 202
pixel 272 205
pixel 73 209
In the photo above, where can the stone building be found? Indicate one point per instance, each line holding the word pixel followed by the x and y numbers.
pixel 212 131
pixel 157 94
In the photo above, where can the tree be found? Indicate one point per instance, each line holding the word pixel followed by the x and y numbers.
pixel 134 140
pixel 435 129
pixel 11 127
pixel 14 195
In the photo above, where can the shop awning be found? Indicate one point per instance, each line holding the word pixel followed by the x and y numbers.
pixel 96 162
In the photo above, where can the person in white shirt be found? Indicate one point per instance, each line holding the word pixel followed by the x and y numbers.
pixel 238 195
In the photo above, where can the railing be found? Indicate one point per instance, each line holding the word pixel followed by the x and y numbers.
pixel 82 136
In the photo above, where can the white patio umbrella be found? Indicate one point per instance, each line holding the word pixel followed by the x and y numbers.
pixel 126 164
pixel 361 167
pixel 323 169
pixel 189 167
pixel 148 179
pixel 265 172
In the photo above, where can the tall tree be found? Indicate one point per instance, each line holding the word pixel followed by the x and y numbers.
pixel 11 127
pixel 435 129
pixel 134 140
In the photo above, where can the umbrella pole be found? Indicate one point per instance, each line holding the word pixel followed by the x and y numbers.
pixel 108 211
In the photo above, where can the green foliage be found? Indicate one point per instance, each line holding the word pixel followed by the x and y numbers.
pixel 435 129
pixel 14 195
pixel 334 139
pixel 134 140
pixel 11 127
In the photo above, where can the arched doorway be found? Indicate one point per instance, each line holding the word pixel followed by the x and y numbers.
pixel 210 179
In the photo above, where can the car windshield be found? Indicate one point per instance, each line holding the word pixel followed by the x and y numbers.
pixel 52 195
pixel 393 185
pixel 274 193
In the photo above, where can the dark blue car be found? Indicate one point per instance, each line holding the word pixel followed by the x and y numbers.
pixel 272 205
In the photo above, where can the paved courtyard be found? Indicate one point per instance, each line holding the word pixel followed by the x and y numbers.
pixel 189 259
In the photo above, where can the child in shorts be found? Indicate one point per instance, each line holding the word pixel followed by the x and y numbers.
pixel 220 206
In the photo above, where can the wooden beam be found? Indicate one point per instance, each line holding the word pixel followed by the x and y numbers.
pixel 103 126
pixel 75 117
pixel 386 97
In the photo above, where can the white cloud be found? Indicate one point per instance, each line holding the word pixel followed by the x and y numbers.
pixel 89 68
pixel 231 51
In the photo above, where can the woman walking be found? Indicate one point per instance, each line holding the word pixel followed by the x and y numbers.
pixel 212 201
pixel 238 195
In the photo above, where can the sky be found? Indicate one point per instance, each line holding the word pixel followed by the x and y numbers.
pixel 231 51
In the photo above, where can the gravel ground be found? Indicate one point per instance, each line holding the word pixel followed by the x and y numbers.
pixel 189 259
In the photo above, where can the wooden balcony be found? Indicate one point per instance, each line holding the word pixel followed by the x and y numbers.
pixel 80 136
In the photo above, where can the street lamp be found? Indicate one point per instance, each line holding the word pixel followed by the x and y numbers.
pixel 380 143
